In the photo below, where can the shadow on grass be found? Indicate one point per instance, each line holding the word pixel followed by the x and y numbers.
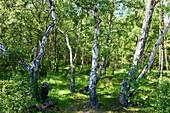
pixel 107 91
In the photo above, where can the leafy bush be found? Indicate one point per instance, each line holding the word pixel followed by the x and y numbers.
pixel 15 94
pixel 153 95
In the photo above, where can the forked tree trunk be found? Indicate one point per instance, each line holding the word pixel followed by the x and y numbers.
pixel 71 59
pixel 74 54
pixel 34 69
pixel 126 86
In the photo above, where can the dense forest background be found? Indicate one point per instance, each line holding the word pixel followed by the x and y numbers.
pixel 23 24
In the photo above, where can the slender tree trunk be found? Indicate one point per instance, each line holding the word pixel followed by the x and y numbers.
pixel 100 70
pixel 161 51
pixel 126 86
pixel 158 42
pixel 166 58
pixel 72 66
pixel 71 59
pixel 109 27
pixel 82 62
pixel 74 54
pixel 65 60
pixel 160 56
pixel 106 64
pixel 55 51
pixel 57 64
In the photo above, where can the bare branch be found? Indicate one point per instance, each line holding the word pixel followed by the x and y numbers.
pixel 156 2
pixel 61 31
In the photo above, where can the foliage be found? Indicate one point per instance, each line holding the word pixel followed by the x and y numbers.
pixel 15 93
pixel 22 25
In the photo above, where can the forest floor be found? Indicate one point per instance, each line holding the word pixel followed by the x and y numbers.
pixel 107 92
pixel 152 94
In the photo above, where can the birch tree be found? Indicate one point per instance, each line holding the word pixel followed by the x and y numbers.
pixel 126 86
pixel 34 69
pixel 95 50
pixel 158 42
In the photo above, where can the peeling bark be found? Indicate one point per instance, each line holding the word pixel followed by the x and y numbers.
pixel 158 42
pixel 92 79
pixel 126 86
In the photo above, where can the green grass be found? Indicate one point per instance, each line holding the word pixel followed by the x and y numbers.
pixel 107 92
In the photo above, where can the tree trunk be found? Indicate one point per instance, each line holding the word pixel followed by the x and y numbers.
pixel 160 54
pixel 158 42
pixel 72 90
pixel 126 86
pixel 166 59
pixel 55 51
pixel 82 62
pixel 106 64
pixel 92 79
pixel 74 54
pixel 162 58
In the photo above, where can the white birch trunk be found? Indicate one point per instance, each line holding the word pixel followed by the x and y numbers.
pixel 92 79
pixel 126 86
pixel 74 54
pixel 72 66
pixel 158 42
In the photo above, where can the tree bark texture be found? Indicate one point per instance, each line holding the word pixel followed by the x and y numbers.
pixel 125 86
pixel 92 79
pixel 158 42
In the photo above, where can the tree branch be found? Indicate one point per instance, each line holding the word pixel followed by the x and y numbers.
pixel 24 63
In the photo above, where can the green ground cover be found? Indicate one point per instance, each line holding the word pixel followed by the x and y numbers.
pixel 152 94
